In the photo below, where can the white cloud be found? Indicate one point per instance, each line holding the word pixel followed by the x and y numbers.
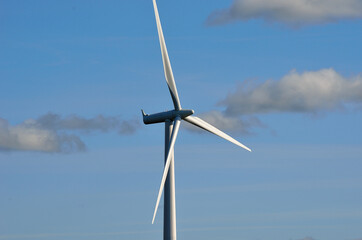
pixel 307 92
pixel 311 92
pixel 52 133
pixel 292 13
pixel 27 137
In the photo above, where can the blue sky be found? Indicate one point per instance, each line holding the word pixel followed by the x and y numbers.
pixel 76 161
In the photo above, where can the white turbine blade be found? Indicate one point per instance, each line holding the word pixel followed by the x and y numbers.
pixel 175 129
pixel 208 127
pixel 166 62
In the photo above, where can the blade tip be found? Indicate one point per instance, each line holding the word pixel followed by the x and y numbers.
pixel 153 219
pixel 245 147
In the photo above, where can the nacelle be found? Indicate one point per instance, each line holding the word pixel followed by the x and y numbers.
pixel 164 116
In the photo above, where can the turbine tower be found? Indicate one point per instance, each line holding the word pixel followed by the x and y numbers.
pixel 172 120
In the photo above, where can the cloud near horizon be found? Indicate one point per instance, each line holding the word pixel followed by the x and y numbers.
pixel 294 13
pixel 53 134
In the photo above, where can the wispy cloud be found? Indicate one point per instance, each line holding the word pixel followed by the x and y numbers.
pixel 292 13
pixel 54 133
pixel 74 122
pixel 308 92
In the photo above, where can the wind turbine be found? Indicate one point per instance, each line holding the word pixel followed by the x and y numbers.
pixel 172 120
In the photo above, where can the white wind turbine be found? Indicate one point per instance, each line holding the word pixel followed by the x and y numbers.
pixel 172 121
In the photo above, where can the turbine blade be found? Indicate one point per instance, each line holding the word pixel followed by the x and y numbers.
pixel 175 129
pixel 166 62
pixel 208 127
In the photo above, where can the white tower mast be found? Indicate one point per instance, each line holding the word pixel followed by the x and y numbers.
pixel 172 121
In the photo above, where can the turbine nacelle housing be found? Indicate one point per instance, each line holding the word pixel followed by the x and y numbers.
pixel 166 116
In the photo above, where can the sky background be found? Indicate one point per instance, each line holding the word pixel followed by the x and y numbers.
pixel 284 78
